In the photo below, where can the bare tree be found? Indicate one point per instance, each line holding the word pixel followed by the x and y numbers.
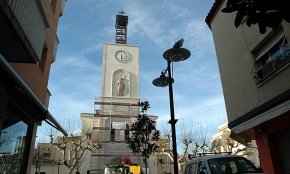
pixel 73 148
pixel 40 157
pixel 229 144
pixel 193 139
pixel 233 146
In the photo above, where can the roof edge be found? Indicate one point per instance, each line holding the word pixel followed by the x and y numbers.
pixel 212 12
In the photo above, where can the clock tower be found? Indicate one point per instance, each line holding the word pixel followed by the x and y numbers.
pixel 120 75
pixel 117 107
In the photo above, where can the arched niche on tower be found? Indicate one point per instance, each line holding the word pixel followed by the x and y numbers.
pixel 121 83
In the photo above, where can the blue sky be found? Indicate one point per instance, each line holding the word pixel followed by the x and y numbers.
pixel 154 25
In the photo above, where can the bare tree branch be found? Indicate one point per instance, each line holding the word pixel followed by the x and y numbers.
pixel 73 148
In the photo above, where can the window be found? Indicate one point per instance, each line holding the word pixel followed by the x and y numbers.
pixel 46 154
pixel 186 170
pixel 190 168
pixel 12 145
pixel 219 142
pixel 43 59
pixel 127 131
pixel 119 135
pixel 202 168
pixel 112 134
pixel 274 59
pixel 231 165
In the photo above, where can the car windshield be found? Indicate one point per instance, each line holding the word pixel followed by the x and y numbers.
pixel 231 165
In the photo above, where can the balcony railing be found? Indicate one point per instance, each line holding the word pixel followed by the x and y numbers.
pixel 271 67
pixel 29 20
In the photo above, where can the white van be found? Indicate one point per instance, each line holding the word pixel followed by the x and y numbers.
pixel 220 164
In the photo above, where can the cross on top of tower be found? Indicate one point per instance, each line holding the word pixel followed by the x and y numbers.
pixel 122 12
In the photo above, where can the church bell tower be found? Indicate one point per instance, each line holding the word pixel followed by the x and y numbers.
pixel 121 28
pixel 117 107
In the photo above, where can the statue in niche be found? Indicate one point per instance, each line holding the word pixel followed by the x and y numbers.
pixel 121 87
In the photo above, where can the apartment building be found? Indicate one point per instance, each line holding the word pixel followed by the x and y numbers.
pixel 28 47
pixel 223 143
pixel 255 75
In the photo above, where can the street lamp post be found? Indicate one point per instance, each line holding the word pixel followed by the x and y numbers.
pixel 174 54
pixel 172 120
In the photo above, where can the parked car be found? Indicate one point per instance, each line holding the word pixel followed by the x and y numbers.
pixel 220 164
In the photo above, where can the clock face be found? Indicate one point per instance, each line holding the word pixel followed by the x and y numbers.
pixel 121 56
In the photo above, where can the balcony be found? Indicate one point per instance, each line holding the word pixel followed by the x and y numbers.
pixel 272 66
pixel 23 29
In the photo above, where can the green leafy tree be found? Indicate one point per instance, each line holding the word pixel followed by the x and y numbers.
pixel 144 134
pixel 265 13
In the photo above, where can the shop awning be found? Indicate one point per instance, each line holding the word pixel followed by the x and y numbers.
pixel 9 73
pixel 263 117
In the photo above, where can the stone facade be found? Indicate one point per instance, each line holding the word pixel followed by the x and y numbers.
pixel 254 70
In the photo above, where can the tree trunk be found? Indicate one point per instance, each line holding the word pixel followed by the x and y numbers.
pixel 180 167
pixel 70 171
pixel 146 164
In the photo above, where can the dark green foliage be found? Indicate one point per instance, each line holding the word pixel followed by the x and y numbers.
pixel 144 134
pixel 265 13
